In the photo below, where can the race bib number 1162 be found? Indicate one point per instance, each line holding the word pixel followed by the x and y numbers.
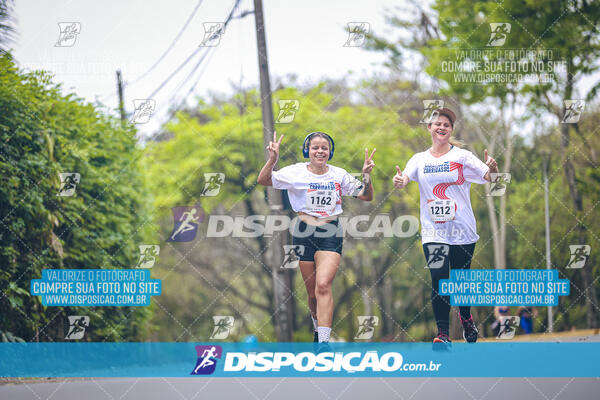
pixel 321 200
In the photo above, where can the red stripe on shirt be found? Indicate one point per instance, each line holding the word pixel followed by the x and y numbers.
pixel 439 190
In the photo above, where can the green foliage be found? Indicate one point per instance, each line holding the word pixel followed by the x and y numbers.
pixel 225 276
pixel 43 134
pixel 227 137
pixel 569 29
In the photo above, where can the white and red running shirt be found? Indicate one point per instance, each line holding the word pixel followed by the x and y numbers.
pixel 444 185
pixel 316 195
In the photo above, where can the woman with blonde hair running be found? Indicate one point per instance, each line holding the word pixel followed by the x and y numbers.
pixel 444 173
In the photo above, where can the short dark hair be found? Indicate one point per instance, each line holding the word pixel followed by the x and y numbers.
pixel 321 135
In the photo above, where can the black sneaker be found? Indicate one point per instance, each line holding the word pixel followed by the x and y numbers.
pixel 469 330
pixel 442 338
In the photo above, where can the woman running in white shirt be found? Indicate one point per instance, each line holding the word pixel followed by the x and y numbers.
pixel 315 190
pixel 445 173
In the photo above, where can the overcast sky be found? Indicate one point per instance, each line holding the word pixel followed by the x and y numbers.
pixel 303 37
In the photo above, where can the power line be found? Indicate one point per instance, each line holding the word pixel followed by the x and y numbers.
pixel 175 40
pixel 171 45
pixel 173 110
pixel 178 104
pixel 237 3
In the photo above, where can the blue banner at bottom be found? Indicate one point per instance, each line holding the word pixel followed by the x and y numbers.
pixel 299 360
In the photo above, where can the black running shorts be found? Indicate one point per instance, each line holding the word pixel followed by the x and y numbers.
pixel 327 237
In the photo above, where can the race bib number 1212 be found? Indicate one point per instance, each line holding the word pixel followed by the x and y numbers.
pixel 441 210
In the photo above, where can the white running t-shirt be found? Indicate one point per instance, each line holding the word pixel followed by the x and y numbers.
pixel 444 185
pixel 316 195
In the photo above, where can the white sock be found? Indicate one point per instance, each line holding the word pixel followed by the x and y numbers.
pixel 314 322
pixel 323 333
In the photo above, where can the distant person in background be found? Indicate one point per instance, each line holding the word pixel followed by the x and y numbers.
pixel 527 314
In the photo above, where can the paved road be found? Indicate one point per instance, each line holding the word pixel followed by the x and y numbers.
pixel 312 388
pixel 309 388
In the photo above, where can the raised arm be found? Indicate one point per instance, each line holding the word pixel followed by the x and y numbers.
pixel 367 192
pixel 492 165
pixel 264 177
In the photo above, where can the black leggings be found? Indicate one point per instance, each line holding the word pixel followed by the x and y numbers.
pixel 440 257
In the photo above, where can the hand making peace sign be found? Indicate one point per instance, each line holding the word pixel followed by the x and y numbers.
pixel 369 163
pixel 273 147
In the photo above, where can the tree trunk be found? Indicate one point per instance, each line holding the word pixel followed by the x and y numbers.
pixel 589 292
pixel 384 294
pixel 507 165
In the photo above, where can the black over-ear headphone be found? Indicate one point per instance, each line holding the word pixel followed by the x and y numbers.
pixel 307 141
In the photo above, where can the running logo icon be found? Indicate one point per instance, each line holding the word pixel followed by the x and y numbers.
pixel 430 110
pixel 77 325
pixel 292 253
pixel 207 359
pixel 500 31
pixel 287 111
pixel 68 33
pixel 185 220
pixel 68 183
pixel 213 182
pixel 579 255
pixel 499 183
pixel 366 327
pixel 212 34
pixel 357 182
pixel 223 325
pixel 357 34
pixel 508 327
pixel 573 111
pixel 143 110
pixel 148 255
pixel 437 255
